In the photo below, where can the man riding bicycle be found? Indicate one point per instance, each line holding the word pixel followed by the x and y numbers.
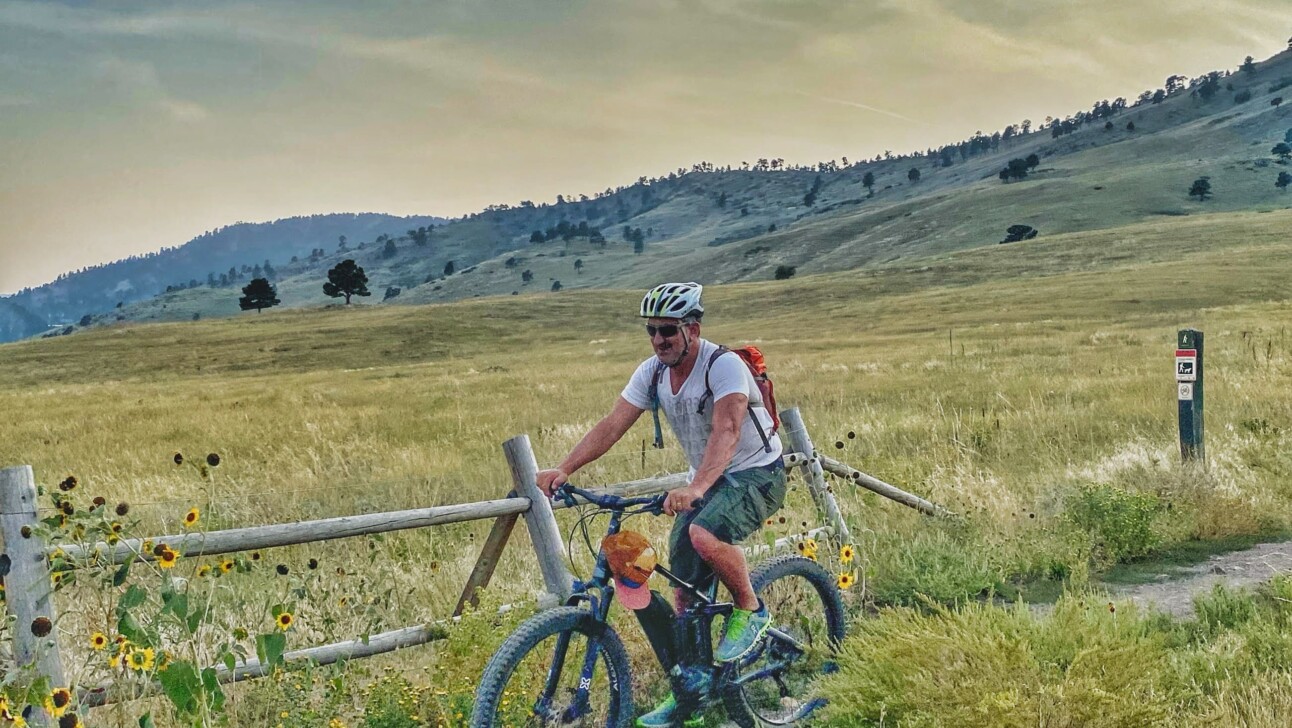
pixel 737 480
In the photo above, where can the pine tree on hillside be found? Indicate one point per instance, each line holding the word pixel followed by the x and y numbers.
pixel 346 279
pixel 258 294
pixel 1201 188
pixel 868 181
pixel 1283 181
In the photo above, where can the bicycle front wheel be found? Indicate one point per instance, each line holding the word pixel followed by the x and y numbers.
pixel 534 678
pixel 774 684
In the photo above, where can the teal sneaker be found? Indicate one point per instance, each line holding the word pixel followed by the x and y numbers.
pixel 744 629
pixel 663 716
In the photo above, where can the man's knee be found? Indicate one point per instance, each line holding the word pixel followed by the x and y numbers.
pixel 703 540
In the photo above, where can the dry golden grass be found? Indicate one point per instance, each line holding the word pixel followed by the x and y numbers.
pixel 993 382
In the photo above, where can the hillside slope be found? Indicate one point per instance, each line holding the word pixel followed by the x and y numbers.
pixel 722 225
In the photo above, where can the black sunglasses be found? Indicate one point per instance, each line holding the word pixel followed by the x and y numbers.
pixel 668 331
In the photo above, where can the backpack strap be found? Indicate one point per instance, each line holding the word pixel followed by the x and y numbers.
pixel 654 404
pixel 708 395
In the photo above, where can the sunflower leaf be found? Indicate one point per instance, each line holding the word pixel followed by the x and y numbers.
pixel 270 648
pixel 182 685
pixel 211 684
pixel 119 577
pixel 133 597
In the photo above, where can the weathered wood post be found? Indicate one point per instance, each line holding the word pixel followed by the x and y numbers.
pixel 792 424
pixel 540 520
pixel 1188 383
pixel 28 591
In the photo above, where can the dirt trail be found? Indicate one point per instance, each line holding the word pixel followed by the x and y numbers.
pixel 1174 593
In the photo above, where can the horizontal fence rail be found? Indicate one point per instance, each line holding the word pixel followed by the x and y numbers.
pixel 871 483
pixel 234 540
pixel 17 494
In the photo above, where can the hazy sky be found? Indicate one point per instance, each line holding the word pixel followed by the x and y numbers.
pixel 128 126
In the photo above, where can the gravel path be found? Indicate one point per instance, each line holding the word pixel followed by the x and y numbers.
pixel 1174 593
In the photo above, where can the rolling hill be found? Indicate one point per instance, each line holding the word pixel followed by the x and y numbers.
pixel 1112 168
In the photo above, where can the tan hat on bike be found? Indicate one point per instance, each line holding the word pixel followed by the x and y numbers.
pixel 632 561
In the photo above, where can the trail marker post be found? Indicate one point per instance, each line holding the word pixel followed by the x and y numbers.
pixel 1188 384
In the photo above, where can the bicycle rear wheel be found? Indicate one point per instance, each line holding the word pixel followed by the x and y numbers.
pixel 774 684
pixel 534 677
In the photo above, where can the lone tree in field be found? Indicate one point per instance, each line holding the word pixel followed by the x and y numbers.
pixel 1017 233
pixel 1201 188
pixel 346 279
pixel 1282 150
pixel 913 175
pixel 526 276
pixel 868 181
pixel 556 286
pixel 784 272
pixel 448 269
pixel 1283 181
pixel 258 294
pixel 578 265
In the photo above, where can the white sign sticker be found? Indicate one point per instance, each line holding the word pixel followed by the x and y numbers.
pixel 1186 365
pixel 1186 391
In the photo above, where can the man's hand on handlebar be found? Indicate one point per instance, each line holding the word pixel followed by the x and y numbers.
pixel 682 500
pixel 550 480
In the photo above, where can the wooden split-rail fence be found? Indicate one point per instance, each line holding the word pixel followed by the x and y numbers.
pixel 29 594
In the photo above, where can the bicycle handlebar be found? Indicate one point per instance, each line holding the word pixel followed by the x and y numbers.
pixel 653 504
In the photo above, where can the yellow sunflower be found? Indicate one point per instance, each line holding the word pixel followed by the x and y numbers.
pixel 846 554
pixel 204 569
pixel 58 701
pixel 192 517
pixel 167 558
pixel 226 566
pixel 141 659
pixel 285 621
pixel 99 641
pixel 847 580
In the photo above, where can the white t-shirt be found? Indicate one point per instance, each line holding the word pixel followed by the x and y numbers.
pixel 728 376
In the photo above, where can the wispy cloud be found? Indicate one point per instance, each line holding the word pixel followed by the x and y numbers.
pixel 859 105
pixel 139 80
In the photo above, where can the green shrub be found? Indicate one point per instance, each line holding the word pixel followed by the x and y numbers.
pixel 983 666
pixel 1119 522
pixel 936 564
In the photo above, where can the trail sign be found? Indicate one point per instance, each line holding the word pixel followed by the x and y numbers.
pixel 1186 365
pixel 1188 384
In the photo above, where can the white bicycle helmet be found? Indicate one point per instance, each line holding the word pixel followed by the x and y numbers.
pixel 673 300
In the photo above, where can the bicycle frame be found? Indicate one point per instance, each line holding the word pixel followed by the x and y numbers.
pixel 696 648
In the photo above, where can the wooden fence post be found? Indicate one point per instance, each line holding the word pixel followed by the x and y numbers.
pixel 488 560
pixel 28 591
pixel 539 519
pixel 793 425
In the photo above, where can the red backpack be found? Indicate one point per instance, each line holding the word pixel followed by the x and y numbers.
pixel 753 359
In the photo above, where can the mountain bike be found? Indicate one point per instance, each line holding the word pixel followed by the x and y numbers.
pixel 568 667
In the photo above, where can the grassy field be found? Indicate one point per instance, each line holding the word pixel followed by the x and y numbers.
pixel 1027 387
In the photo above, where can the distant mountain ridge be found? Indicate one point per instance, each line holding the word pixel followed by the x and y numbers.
pixel 100 288
pixel 1120 162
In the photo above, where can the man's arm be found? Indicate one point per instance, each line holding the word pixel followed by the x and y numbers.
pixel 599 439
pixel 728 414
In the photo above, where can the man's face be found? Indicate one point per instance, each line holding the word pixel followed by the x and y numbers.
pixel 667 338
